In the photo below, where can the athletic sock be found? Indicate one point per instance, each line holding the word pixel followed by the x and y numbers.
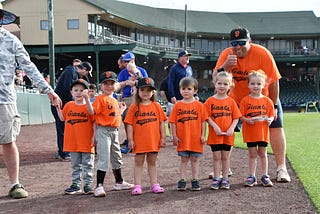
pixel 100 176
pixel 117 175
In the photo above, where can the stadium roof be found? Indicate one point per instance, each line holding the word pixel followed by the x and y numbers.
pixel 300 23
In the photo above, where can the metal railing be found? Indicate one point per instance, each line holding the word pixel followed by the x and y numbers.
pixel 122 39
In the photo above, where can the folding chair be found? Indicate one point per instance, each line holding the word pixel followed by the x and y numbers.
pixel 311 106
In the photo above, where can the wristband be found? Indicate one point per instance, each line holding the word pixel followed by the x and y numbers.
pixel 220 69
pixel 275 106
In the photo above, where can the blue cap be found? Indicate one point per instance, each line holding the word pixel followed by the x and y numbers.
pixel 128 56
pixel 184 53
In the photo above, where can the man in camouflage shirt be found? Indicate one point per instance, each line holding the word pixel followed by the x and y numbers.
pixel 12 54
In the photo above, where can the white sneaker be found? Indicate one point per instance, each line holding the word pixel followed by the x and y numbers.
pixel 99 191
pixel 123 186
pixel 230 173
pixel 283 176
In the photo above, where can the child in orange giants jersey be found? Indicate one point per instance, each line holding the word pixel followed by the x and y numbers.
pixel 107 119
pixel 146 116
pixel 224 115
pixel 188 121
pixel 78 136
pixel 258 113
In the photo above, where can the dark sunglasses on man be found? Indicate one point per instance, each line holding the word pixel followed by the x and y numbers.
pixel 235 43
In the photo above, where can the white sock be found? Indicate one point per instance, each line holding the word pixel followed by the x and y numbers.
pixel 14 184
pixel 282 166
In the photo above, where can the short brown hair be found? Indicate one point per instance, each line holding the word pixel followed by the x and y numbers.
pixel 187 81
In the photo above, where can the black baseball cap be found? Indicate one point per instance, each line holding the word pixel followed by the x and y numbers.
pixel 239 34
pixel 144 82
pixel 81 82
pixel 108 75
pixel 87 66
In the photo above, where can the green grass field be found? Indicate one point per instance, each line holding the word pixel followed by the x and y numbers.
pixel 303 150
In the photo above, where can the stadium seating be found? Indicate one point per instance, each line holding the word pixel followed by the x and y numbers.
pixel 293 94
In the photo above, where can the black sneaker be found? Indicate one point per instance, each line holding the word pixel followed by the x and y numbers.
pixel 66 158
pixel 182 185
pixel 195 185
pixel 73 189
pixel 87 189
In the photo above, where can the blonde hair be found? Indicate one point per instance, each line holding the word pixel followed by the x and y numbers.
pixel 259 74
pixel 131 66
pixel 224 74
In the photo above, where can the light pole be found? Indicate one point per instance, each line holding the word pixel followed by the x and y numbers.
pixel 51 43
pixel 185 28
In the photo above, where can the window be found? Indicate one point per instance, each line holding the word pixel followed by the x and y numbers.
pixel 204 45
pixel 197 44
pixel 44 25
pixel 73 23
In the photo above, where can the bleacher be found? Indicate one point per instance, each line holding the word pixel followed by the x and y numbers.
pixel 205 93
pixel 294 94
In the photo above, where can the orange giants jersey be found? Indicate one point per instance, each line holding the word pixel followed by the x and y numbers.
pixel 256 107
pixel 107 111
pixel 146 120
pixel 78 128
pixel 222 112
pixel 188 118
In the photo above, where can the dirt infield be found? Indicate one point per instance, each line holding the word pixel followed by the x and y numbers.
pixel 46 178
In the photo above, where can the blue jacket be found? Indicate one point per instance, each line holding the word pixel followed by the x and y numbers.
pixel 164 87
pixel 63 88
pixel 177 72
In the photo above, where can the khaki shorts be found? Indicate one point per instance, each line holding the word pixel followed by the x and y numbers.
pixel 128 101
pixel 9 123
pixel 169 107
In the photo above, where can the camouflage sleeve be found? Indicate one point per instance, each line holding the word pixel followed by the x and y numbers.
pixel 23 59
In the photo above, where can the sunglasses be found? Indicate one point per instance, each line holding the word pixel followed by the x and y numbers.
pixel 235 43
